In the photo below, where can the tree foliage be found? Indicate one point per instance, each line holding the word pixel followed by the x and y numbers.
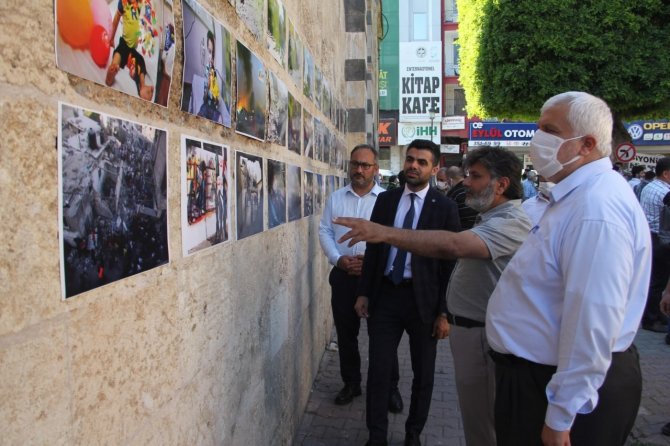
pixel 517 53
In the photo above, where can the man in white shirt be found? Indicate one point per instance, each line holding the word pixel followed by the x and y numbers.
pixel 637 172
pixel 354 200
pixel 562 319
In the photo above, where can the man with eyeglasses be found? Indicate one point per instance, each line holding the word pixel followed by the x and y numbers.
pixel 354 200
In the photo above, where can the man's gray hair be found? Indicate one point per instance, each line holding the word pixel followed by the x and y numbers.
pixel 587 115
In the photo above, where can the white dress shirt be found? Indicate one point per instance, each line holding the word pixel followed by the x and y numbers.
pixel 575 291
pixel 344 202
pixel 403 207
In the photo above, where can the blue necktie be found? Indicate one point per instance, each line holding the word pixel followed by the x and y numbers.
pixel 401 255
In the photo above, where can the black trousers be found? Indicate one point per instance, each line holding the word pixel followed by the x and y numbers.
pixel 660 271
pixel 347 325
pixel 394 313
pixel 521 402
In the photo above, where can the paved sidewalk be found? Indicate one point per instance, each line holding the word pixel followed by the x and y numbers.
pixel 325 424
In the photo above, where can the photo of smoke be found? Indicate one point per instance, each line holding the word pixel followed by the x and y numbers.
pixel 112 198
pixel 318 193
pixel 251 13
pixel 205 196
pixel 294 55
pixel 293 188
pixel 308 75
pixel 276 33
pixel 278 115
pixel 308 134
pixel 276 193
pixel 249 179
pixel 307 193
pixel 251 94
pixel 207 86
pixel 294 124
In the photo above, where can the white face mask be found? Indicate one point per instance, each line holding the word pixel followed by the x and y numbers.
pixel 545 188
pixel 442 185
pixel 544 151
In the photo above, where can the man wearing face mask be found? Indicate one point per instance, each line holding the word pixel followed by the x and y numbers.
pixel 562 319
pixel 442 180
pixel 536 205
pixel 493 188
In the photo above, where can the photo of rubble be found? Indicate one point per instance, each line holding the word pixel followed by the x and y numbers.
pixel 294 55
pixel 307 193
pixel 249 176
pixel 308 75
pixel 294 124
pixel 251 13
pixel 112 196
pixel 293 187
pixel 318 193
pixel 278 114
pixel 308 134
pixel 276 193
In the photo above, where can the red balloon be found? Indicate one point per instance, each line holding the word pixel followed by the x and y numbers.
pixel 99 45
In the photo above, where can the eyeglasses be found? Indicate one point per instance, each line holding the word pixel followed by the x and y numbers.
pixel 355 165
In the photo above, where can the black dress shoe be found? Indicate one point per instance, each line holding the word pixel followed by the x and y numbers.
pixel 395 401
pixel 347 394
pixel 656 326
pixel 412 439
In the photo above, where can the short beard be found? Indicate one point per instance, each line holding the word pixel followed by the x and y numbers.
pixel 482 201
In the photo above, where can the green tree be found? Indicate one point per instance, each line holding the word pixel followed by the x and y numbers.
pixel 517 53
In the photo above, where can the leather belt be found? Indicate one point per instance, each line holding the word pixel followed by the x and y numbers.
pixel 464 322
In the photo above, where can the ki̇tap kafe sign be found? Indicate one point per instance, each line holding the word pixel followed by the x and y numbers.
pixel 420 80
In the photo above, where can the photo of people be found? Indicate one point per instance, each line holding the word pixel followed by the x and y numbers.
pixel 308 134
pixel 128 45
pixel 278 115
pixel 294 55
pixel 251 94
pixel 276 193
pixel 276 33
pixel 112 198
pixel 308 75
pixel 307 193
pixel 293 188
pixel 205 197
pixel 251 13
pixel 207 86
pixel 249 179
pixel 294 124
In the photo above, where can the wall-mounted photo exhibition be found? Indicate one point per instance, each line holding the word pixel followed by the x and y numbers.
pixel 251 94
pixel 207 85
pixel 307 193
pixel 293 187
pixel 308 74
pixel 128 45
pixel 276 33
pixel 294 56
pixel 251 13
pixel 307 134
pixel 294 124
pixel 276 193
pixel 205 194
pixel 249 178
pixel 112 198
pixel 278 114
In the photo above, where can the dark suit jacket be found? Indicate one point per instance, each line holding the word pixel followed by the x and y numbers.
pixel 430 276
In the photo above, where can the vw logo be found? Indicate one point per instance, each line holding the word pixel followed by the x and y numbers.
pixel 635 131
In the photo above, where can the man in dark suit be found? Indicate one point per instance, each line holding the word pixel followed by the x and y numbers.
pixel 400 292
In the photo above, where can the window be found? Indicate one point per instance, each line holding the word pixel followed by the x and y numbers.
pixel 420 26
pixel 384 153
pixel 459 102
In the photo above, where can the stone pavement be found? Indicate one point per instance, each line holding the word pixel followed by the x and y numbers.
pixel 325 424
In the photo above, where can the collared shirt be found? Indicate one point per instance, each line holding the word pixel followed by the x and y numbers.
pixel 529 189
pixel 575 291
pixel 344 202
pixel 651 201
pixel 403 207
pixel 502 229
pixel 535 207
pixel 634 182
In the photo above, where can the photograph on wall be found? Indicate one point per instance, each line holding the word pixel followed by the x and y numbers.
pixel 319 139
pixel 307 193
pixel 276 33
pixel 318 193
pixel 294 124
pixel 276 193
pixel 249 179
pixel 308 134
pixel 112 198
pixel 251 13
pixel 318 85
pixel 308 75
pixel 278 113
pixel 327 143
pixel 205 196
pixel 330 185
pixel 251 94
pixel 293 192
pixel 326 105
pixel 128 45
pixel 294 55
pixel 207 86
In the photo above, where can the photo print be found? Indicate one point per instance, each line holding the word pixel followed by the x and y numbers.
pixel 294 124
pixel 319 139
pixel 205 194
pixel 251 94
pixel 249 179
pixel 318 85
pixel 318 193
pixel 326 105
pixel 112 198
pixel 276 33
pixel 330 185
pixel 128 45
pixel 251 13
pixel 307 193
pixel 294 55
pixel 308 75
pixel 207 86
pixel 278 114
pixel 308 134
pixel 293 189
pixel 276 193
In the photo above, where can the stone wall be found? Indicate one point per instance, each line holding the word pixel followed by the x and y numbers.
pixel 220 347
